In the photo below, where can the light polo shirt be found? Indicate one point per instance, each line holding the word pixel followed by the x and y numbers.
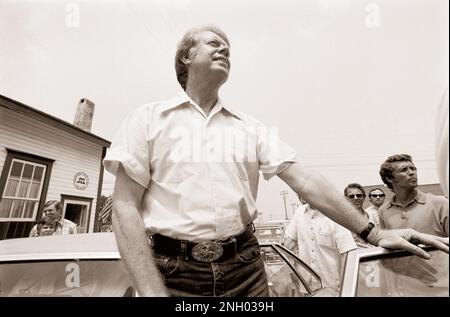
pixel 321 243
pixel 200 172
pixel 426 213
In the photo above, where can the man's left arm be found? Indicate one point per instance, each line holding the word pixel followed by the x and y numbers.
pixel 321 195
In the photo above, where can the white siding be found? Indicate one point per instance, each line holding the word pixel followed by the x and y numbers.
pixel 71 154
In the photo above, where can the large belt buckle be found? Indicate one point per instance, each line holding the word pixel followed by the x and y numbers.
pixel 207 251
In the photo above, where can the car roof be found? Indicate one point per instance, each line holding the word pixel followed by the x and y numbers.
pixel 81 246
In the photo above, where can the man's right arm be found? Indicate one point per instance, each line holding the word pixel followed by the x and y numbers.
pixel 132 240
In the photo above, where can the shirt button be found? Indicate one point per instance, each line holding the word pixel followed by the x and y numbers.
pixel 312 228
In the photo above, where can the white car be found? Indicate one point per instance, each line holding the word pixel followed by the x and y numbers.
pixel 90 265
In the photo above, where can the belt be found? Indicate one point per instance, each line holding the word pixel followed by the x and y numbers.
pixel 209 251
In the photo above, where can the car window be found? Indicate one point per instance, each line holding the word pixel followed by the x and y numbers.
pixel 404 276
pixel 283 279
pixel 268 235
pixel 92 278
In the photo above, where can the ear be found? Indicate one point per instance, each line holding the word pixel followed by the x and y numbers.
pixel 390 179
pixel 186 60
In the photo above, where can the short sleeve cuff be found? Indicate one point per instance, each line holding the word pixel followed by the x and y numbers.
pixel 269 172
pixel 134 170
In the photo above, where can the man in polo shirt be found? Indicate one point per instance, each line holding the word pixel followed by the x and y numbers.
pixel 410 207
pixel 187 173
pixel 424 212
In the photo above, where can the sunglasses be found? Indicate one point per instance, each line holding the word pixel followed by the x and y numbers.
pixel 377 195
pixel 355 196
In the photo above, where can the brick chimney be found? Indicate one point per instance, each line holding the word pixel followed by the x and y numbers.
pixel 84 114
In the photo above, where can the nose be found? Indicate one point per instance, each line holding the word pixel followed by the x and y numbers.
pixel 224 50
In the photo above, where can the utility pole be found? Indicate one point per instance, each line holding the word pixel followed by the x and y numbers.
pixel 283 194
pixel 294 206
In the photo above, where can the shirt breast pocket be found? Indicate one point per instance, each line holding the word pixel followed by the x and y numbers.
pixel 325 237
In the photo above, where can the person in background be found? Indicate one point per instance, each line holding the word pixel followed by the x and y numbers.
pixel 410 207
pixel 52 211
pixel 376 197
pixel 45 227
pixel 321 243
pixel 356 195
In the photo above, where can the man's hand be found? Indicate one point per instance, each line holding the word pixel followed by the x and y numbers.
pixel 407 239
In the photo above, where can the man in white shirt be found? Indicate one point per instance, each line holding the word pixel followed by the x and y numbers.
pixel 376 197
pixel 187 173
pixel 321 243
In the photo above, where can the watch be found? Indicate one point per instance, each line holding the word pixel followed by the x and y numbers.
pixel 367 231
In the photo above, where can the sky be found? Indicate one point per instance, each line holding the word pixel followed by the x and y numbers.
pixel 346 83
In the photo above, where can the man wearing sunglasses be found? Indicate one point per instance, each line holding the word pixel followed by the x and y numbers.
pixel 356 195
pixel 376 197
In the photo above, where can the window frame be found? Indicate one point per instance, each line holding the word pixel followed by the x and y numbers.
pixel 13 155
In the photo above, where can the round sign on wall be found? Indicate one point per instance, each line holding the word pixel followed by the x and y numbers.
pixel 81 180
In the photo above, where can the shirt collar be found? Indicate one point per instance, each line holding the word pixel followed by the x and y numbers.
pixel 421 198
pixel 309 210
pixel 183 98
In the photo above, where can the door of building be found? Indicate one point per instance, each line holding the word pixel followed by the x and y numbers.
pixel 77 210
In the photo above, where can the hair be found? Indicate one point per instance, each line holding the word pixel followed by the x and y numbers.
pixel 374 189
pixel 354 185
pixel 387 168
pixel 188 42
pixel 45 221
pixel 55 203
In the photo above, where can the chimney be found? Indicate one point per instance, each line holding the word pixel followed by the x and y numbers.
pixel 84 114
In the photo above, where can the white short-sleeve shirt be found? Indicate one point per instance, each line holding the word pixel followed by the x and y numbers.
pixel 321 242
pixel 200 172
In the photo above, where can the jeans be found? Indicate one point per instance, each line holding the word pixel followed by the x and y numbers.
pixel 240 275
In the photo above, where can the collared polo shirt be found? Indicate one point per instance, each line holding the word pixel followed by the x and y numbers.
pixel 321 243
pixel 426 213
pixel 200 172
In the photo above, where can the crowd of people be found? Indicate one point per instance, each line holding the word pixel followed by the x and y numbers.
pixel 324 244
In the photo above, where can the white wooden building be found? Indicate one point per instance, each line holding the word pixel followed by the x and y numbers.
pixel 44 158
